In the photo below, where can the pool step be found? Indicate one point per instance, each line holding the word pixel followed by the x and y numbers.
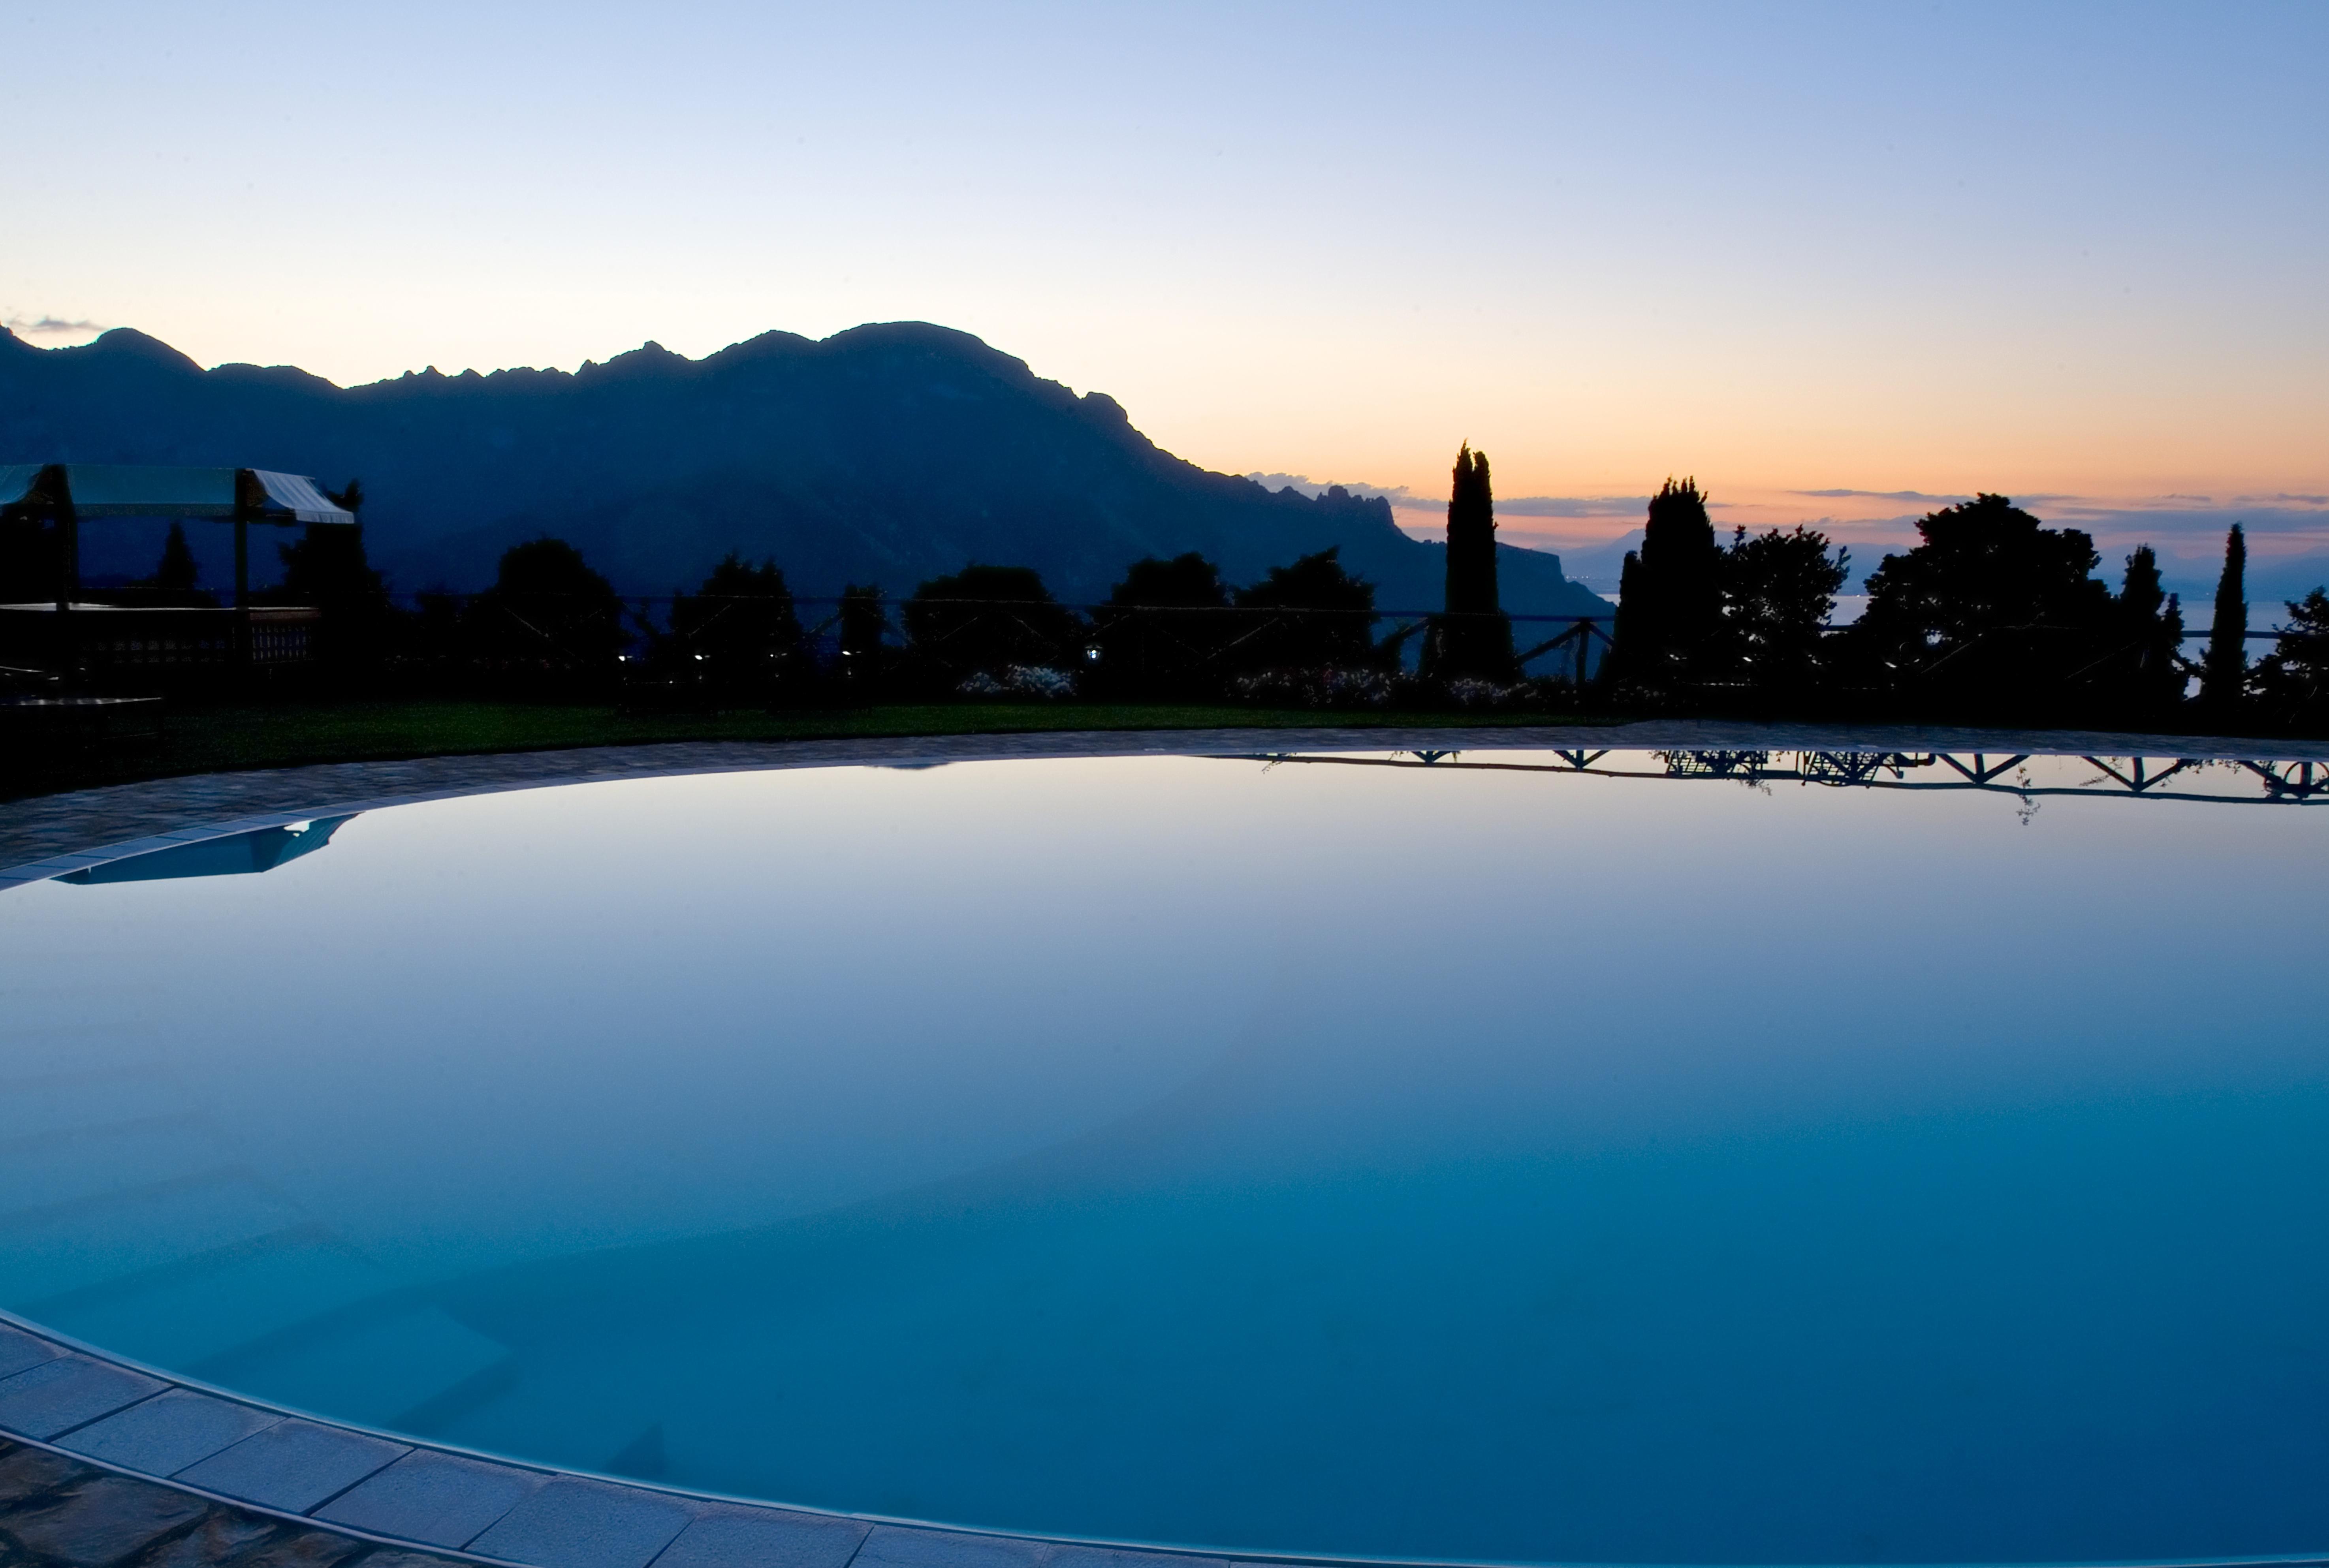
pixel 126 1222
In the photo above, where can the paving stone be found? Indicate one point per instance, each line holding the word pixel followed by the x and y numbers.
pixel 293 1465
pixel 19 1350
pixel 764 1539
pixel 294 1547
pixel 222 1533
pixel 894 1546
pixel 27 1473
pixel 1124 1558
pixel 102 1520
pixel 68 1392
pixel 444 1500
pixel 573 1522
pixel 162 1435
pixel 391 1558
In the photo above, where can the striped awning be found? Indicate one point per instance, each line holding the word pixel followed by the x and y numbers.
pixel 146 490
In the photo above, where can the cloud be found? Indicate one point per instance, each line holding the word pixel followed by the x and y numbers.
pixel 1405 500
pixel 1572 505
pixel 1882 495
pixel 45 325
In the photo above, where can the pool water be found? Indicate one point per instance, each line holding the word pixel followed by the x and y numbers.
pixel 1371 1160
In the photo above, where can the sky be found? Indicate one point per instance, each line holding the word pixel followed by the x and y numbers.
pixel 1842 263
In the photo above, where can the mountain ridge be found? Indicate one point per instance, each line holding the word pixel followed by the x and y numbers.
pixel 891 452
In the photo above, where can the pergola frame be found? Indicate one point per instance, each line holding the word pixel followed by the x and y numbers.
pixel 63 493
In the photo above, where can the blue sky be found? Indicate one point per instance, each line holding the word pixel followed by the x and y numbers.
pixel 2067 250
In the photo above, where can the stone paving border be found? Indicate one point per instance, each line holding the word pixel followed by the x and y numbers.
pixel 106 1464
pixel 49 835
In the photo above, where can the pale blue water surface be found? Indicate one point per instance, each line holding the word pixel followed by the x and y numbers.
pixel 1308 1158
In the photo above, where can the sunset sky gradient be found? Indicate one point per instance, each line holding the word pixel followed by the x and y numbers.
pixel 1832 260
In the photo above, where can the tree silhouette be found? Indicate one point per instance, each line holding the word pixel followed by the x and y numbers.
pixel 2223 675
pixel 2292 681
pixel 548 610
pixel 1779 590
pixel 1165 627
pixel 1992 614
pixel 327 567
pixel 864 622
pixel 1186 582
pixel 987 618
pixel 1332 625
pixel 2148 673
pixel 1473 638
pixel 1669 594
pixel 177 579
pixel 739 628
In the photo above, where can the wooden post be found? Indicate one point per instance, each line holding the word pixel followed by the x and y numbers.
pixel 243 591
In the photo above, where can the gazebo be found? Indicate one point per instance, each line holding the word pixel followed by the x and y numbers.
pixel 63 495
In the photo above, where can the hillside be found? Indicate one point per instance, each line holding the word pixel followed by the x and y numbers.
pixel 886 454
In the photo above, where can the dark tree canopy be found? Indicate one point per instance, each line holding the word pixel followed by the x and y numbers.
pixel 863 622
pixel 2146 675
pixel 2292 681
pixel 2224 675
pixel 327 567
pixel 985 618
pixel 741 624
pixel 1186 582
pixel 1337 632
pixel 1986 565
pixel 1165 629
pixel 177 579
pixel 1778 591
pixel 1992 613
pixel 1669 593
pixel 1473 638
pixel 547 608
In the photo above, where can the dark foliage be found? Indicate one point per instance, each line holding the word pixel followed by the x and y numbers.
pixel 176 572
pixel 1473 639
pixel 2291 683
pixel 2141 680
pixel 1778 591
pixel 1669 597
pixel 1165 630
pixel 985 619
pixel 1328 623
pixel 327 567
pixel 738 631
pixel 548 612
pixel 1993 616
pixel 2223 677
pixel 176 579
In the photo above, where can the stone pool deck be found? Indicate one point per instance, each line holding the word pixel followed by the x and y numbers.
pixel 105 1464
pixel 47 835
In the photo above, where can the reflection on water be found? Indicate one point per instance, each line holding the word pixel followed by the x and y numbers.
pixel 228 855
pixel 1449 1159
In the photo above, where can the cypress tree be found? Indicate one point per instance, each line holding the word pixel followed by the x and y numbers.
pixel 1670 592
pixel 2225 672
pixel 176 571
pixel 1469 642
pixel 2154 627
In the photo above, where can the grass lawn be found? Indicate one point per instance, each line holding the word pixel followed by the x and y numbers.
pixel 216 738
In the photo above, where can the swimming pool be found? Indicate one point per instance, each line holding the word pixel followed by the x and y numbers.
pixel 1387 1161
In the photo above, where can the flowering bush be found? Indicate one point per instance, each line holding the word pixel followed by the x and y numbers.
pixel 1038 681
pixel 1326 688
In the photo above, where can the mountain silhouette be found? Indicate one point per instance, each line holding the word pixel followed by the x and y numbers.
pixel 887 453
